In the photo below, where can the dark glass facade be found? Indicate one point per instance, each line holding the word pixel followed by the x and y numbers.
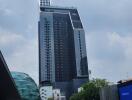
pixel 63 61
pixel 62 48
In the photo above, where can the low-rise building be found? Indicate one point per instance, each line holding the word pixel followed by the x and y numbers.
pixel 109 93
pixel 120 91
pixel 46 92
pixel 57 95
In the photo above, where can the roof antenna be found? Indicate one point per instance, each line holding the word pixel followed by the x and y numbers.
pixel 44 3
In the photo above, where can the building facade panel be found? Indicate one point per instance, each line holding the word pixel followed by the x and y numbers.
pixel 62 33
pixel 80 52
pixel 46 46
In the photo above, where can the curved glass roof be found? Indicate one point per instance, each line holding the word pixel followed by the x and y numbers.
pixel 26 86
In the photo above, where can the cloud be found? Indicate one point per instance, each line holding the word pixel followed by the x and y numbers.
pixel 108 26
pixel 21 54
pixel 17 15
pixel 7 38
pixel 18 35
pixel 103 15
pixel 25 59
pixel 109 55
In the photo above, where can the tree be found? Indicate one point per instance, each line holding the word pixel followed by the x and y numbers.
pixel 50 98
pixel 90 90
pixel 76 96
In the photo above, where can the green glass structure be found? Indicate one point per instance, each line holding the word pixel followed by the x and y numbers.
pixel 26 86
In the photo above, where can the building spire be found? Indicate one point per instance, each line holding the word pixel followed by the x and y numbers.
pixel 44 3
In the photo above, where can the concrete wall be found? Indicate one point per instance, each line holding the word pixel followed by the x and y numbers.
pixel 109 93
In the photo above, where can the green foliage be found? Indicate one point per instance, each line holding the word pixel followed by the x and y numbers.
pixel 50 98
pixel 90 90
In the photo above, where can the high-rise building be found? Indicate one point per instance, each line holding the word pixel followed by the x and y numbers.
pixel 62 48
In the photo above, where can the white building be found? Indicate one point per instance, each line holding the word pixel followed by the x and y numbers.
pixel 46 92
pixel 57 95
